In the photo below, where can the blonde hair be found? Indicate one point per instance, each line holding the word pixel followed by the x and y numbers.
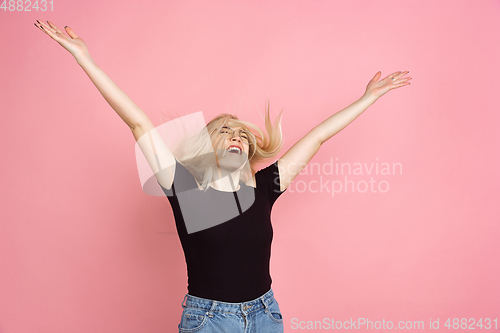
pixel 197 152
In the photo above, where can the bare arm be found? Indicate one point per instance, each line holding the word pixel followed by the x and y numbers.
pixel 160 159
pixel 297 157
pixel 128 111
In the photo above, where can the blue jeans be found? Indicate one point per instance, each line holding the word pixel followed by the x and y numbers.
pixel 261 315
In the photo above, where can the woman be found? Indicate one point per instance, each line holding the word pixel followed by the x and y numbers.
pixel 228 263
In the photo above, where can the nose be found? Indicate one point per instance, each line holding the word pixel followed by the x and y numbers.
pixel 236 137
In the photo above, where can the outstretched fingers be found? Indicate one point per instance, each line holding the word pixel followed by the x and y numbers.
pixel 391 76
pixel 53 31
pixel 399 80
pixel 403 82
pixel 67 29
pixel 47 29
pixel 56 29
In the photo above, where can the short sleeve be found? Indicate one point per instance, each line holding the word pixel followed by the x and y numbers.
pixel 183 181
pixel 268 179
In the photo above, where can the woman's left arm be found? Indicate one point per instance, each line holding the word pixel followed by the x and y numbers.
pixel 297 157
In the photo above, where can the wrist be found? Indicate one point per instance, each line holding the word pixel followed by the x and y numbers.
pixel 84 59
pixel 369 98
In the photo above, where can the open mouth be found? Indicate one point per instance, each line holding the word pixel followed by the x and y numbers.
pixel 234 150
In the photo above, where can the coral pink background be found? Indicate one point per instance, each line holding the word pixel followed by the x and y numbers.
pixel 83 249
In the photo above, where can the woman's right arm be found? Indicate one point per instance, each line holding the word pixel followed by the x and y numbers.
pixel 159 157
pixel 128 111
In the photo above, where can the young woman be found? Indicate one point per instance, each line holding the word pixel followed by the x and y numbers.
pixel 221 205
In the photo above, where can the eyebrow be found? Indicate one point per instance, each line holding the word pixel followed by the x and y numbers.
pixel 232 127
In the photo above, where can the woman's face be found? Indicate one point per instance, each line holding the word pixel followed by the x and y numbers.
pixel 235 150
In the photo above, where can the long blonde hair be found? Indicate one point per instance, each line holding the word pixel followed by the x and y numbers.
pixel 197 152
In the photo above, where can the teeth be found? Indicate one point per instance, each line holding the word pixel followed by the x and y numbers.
pixel 234 148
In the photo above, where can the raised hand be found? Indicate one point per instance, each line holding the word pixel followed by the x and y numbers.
pixel 376 88
pixel 74 44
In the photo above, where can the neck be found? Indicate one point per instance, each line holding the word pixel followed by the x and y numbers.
pixel 228 180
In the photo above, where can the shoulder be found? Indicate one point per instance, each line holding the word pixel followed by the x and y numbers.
pixel 251 182
pixel 264 175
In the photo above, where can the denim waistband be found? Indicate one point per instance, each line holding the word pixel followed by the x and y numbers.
pixel 238 308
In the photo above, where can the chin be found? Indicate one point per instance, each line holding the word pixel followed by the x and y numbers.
pixel 232 161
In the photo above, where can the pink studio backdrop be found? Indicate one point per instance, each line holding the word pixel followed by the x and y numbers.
pixel 84 249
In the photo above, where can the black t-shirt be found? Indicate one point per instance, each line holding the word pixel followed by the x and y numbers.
pixel 226 236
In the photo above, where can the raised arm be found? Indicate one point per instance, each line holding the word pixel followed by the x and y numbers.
pixel 297 157
pixel 130 113
pixel 152 146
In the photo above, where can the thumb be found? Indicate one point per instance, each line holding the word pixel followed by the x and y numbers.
pixel 70 32
pixel 377 76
